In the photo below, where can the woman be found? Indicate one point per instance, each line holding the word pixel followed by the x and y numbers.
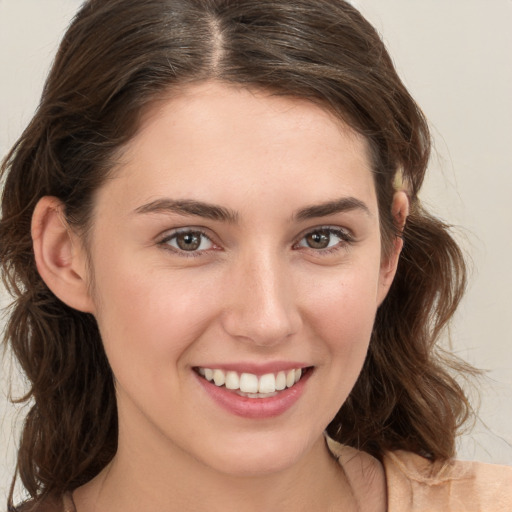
pixel 228 294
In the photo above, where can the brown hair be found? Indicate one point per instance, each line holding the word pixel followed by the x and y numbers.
pixel 119 56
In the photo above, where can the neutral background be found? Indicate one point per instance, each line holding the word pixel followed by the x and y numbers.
pixel 456 58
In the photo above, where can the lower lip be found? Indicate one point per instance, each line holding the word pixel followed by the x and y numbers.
pixel 255 408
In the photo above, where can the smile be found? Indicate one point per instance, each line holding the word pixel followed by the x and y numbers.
pixel 251 385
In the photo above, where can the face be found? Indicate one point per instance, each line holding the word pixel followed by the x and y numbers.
pixel 236 267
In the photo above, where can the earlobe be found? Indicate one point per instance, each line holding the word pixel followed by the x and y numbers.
pixel 400 212
pixel 59 256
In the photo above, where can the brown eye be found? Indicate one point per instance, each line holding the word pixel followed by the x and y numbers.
pixel 326 238
pixel 318 239
pixel 189 241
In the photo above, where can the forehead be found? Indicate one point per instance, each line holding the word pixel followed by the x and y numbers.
pixel 219 140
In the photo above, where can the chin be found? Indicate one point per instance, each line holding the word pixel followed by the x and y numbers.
pixel 261 455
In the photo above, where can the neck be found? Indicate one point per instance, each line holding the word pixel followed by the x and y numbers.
pixel 144 481
pixel 153 472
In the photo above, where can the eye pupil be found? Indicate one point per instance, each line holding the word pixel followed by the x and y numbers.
pixel 188 241
pixel 318 239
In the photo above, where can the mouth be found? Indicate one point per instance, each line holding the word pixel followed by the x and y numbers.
pixel 250 385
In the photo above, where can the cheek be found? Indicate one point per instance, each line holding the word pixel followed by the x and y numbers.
pixel 344 300
pixel 345 326
pixel 341 312
pixel 148 319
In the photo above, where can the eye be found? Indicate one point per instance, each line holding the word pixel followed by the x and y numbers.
pixel 325 238
pixel 188 241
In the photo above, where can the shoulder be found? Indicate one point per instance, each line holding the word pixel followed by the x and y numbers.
pixel 414 483
pixel 52 504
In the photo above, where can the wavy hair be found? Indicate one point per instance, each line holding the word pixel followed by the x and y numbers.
pixel 116 59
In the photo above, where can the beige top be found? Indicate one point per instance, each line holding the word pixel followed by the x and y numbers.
pixel 415 484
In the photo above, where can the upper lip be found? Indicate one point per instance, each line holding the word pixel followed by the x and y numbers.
pixel 256 368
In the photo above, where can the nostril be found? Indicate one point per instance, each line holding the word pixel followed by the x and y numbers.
pixel 260 327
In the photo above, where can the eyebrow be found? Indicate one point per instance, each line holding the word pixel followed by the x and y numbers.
pixel 345 204
pixel 189 207
pixel 220 213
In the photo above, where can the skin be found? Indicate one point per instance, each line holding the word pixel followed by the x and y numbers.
pixel 254 292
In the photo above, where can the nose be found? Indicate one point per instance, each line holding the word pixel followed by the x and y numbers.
pixel 262 306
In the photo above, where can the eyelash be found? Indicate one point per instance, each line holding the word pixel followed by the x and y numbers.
pixel 165 242
pixel 345 239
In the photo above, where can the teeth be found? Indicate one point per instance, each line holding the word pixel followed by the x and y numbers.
pixel 248 383
pixel 280 381
pixel 252 385
pixel 267 383
pixel 219 377
pixel 258 395
pixel 232 380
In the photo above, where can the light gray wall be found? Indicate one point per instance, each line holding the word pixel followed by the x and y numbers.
pixel 455 56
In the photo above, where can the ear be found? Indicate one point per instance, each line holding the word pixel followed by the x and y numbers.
pixel 60 258
pixel 400 212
